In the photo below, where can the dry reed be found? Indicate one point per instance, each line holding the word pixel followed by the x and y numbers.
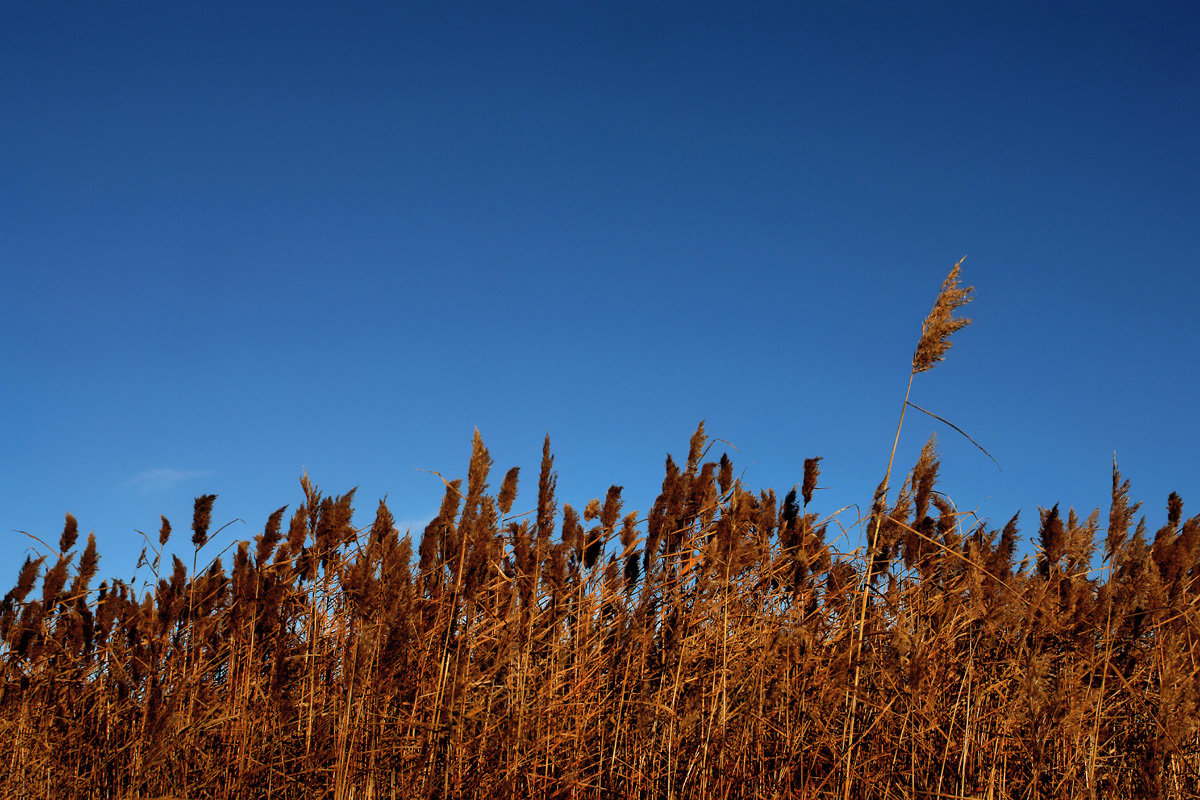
pixel 716 646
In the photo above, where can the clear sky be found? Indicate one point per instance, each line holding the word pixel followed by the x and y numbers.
pixel 243 240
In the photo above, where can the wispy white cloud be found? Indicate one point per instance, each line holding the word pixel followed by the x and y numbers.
pixel 157 480
pixel 416 525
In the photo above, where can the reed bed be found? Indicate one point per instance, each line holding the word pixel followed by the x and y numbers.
pixel 717 646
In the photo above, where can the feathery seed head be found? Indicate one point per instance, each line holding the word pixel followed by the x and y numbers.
pixel 1052 537
pixel 26 579
pixel 696 448
pixel 383 527
pixel 812 470
pixel 508 490
pixel 572 530
pixel 270 536
pixel 628 532
pixel 52 584
pixel 297 532
pixel 69 535
pixel 612 508
pixel 924 476
pixel 201 519
pixel 478 468
pixel 88 564
pixel 1120 514
pixel 592 546
pixel 725 473
pixel 592 510
pixel 788 521
pixel 1174 510
pixel 632 571
pixel 546 485
pixel 941 323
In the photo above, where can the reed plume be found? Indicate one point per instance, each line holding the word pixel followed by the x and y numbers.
pixel 940 324
pixel 201 519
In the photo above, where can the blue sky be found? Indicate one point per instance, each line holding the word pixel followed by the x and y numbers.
pixel 241 241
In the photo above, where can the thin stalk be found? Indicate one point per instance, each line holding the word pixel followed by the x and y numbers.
pixel 856 644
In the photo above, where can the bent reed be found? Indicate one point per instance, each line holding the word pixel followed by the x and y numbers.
pixel 718 646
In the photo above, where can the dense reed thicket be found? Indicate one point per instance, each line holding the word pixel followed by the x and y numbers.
pixel 714 647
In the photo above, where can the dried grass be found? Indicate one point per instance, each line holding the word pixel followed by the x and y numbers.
pixel 717 646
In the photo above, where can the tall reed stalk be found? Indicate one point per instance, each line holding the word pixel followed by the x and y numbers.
pixel 937 328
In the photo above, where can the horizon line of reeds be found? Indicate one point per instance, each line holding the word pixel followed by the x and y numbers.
pixel 718 646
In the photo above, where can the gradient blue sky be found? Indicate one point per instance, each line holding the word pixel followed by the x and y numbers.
pixel 242 240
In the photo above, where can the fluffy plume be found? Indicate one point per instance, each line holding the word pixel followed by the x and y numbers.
pixel 69 535
pixel 1120 514
pixel 1052 538
pixel 508 490
pixel 941 323
pixel 612 508
pixel 546 503
pixel 201 519
pixel 270 536
pixel 725 473
pixel 88 565
pixel 812 470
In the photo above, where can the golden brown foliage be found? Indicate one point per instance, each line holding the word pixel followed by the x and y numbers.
pixel 498 668
pixel 717 646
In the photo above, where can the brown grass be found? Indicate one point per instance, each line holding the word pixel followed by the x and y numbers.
pixel 717 646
